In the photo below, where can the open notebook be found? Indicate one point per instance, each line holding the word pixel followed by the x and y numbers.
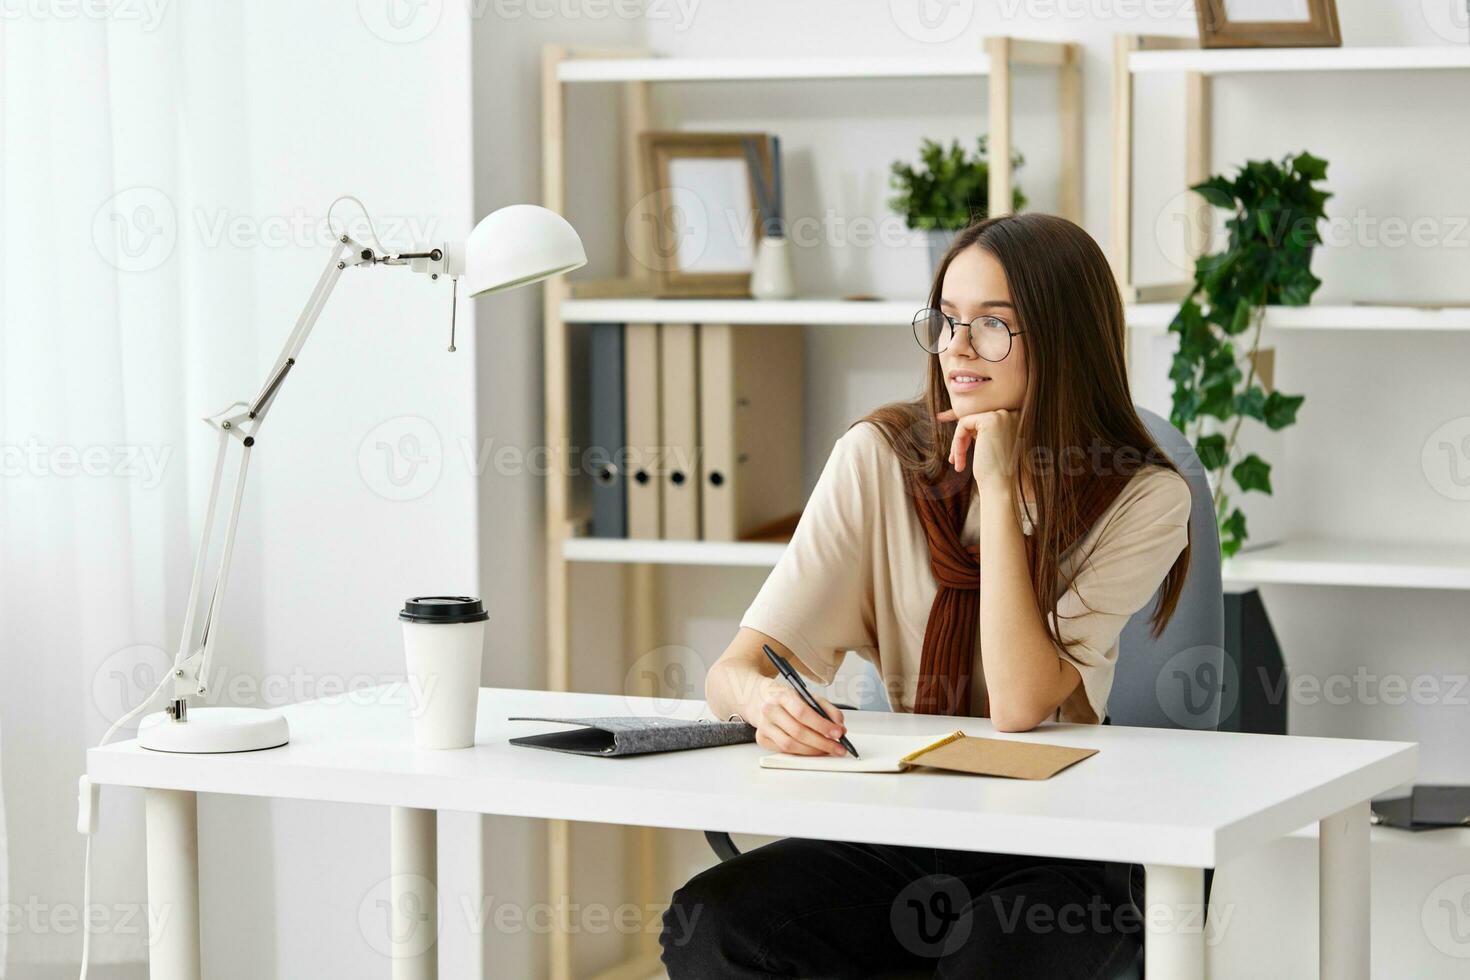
pixel 956 752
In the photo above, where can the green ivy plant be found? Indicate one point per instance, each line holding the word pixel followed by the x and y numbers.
pixel 1275 210
pixel 950 188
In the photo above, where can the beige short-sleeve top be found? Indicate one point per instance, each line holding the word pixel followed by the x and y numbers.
pixel 856 575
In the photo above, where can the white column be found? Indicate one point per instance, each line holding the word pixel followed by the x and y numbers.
pixel 173 884
pixel 1173 917
pixel 1343 882
pixel 414 923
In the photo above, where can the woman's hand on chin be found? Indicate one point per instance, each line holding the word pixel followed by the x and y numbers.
pixel 993 435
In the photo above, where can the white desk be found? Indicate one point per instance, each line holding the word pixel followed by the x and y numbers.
pixel 1174 801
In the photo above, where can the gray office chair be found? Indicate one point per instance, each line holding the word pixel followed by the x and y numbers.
pixel 1170 681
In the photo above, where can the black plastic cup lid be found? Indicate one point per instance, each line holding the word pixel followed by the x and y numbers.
pixel 443 609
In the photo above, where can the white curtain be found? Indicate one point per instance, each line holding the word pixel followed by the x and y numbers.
pixel 164 174
pixel 94 495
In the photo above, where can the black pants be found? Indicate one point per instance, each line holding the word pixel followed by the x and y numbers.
pixel 806 908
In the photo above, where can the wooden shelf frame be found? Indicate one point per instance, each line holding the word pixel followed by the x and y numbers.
pixel 636 70
pixel 1197 147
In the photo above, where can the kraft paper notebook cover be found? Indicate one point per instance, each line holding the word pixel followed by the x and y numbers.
pixel 678 356
pixel 956 752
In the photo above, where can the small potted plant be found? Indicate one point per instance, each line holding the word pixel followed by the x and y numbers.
pixel 1275 210
pixel 947 190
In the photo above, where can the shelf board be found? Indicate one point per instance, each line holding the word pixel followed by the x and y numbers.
pixel 1258 60
pixel 766 69
pixel 1157 316
pixel 1307 562
pixel 888 313
pixel 757 554
pixel 1354 563
pixel 816 312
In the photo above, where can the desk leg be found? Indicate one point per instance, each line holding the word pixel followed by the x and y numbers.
pixel 1173 916
pixel 1345 901
pixel 413 923
pixel 172 819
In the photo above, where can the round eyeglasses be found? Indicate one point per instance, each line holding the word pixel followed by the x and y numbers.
pixel 990 337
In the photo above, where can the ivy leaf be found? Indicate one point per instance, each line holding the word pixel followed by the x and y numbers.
pixel 1186 407
pixel 1253 473
pixel 1220 368
pixel 1182 370
pixel 1211 451
pixel 1298 289
pixel 1218 191
pixel 1216 400
pixel 1252 403
pixel 1310 167
pixel 1232 533
pixel 1263 221
pixel 1188 317
pixel 1280 410
pixel 1240 320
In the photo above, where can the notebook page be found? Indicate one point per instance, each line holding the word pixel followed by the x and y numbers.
pixel 879 753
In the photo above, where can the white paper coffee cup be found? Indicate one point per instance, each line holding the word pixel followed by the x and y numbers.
pixel 443 640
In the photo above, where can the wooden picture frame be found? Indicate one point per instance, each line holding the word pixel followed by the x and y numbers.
pixel 699 198
pixel 1218 28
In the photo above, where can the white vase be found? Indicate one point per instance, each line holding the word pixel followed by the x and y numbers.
pixel 772 276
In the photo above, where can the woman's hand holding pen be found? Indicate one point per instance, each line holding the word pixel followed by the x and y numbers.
pixel 785 723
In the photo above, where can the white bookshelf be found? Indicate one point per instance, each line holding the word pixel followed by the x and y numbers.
pixel 1307 562
pixel 1158 316
pixel 584 70
pixel 1242 61
pixel 887 313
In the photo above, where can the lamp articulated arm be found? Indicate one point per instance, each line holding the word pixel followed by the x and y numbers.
pixel 240 422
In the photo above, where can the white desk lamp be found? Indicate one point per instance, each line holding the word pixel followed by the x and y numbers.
pixel 515 246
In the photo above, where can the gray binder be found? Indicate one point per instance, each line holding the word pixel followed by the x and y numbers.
pixel 607 454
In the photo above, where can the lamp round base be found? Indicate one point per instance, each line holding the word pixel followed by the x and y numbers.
pixel 212 730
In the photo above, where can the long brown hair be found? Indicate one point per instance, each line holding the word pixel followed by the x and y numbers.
pixel 1079 439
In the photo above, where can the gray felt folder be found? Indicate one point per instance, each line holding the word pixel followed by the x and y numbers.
pixel 636 736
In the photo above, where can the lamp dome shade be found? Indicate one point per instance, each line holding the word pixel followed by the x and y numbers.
pixel 519 245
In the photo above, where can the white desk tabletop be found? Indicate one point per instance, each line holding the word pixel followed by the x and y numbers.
pixel 1152 796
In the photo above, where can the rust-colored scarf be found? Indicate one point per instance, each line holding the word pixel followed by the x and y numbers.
pixel 949 636
pixel 948 657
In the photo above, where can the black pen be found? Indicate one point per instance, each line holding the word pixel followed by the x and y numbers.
pixel 794 679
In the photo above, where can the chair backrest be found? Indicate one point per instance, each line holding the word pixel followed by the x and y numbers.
pixel 1175 680
pixel 1172 681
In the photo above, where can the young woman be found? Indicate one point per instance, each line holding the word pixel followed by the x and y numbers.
pixel 1023 467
